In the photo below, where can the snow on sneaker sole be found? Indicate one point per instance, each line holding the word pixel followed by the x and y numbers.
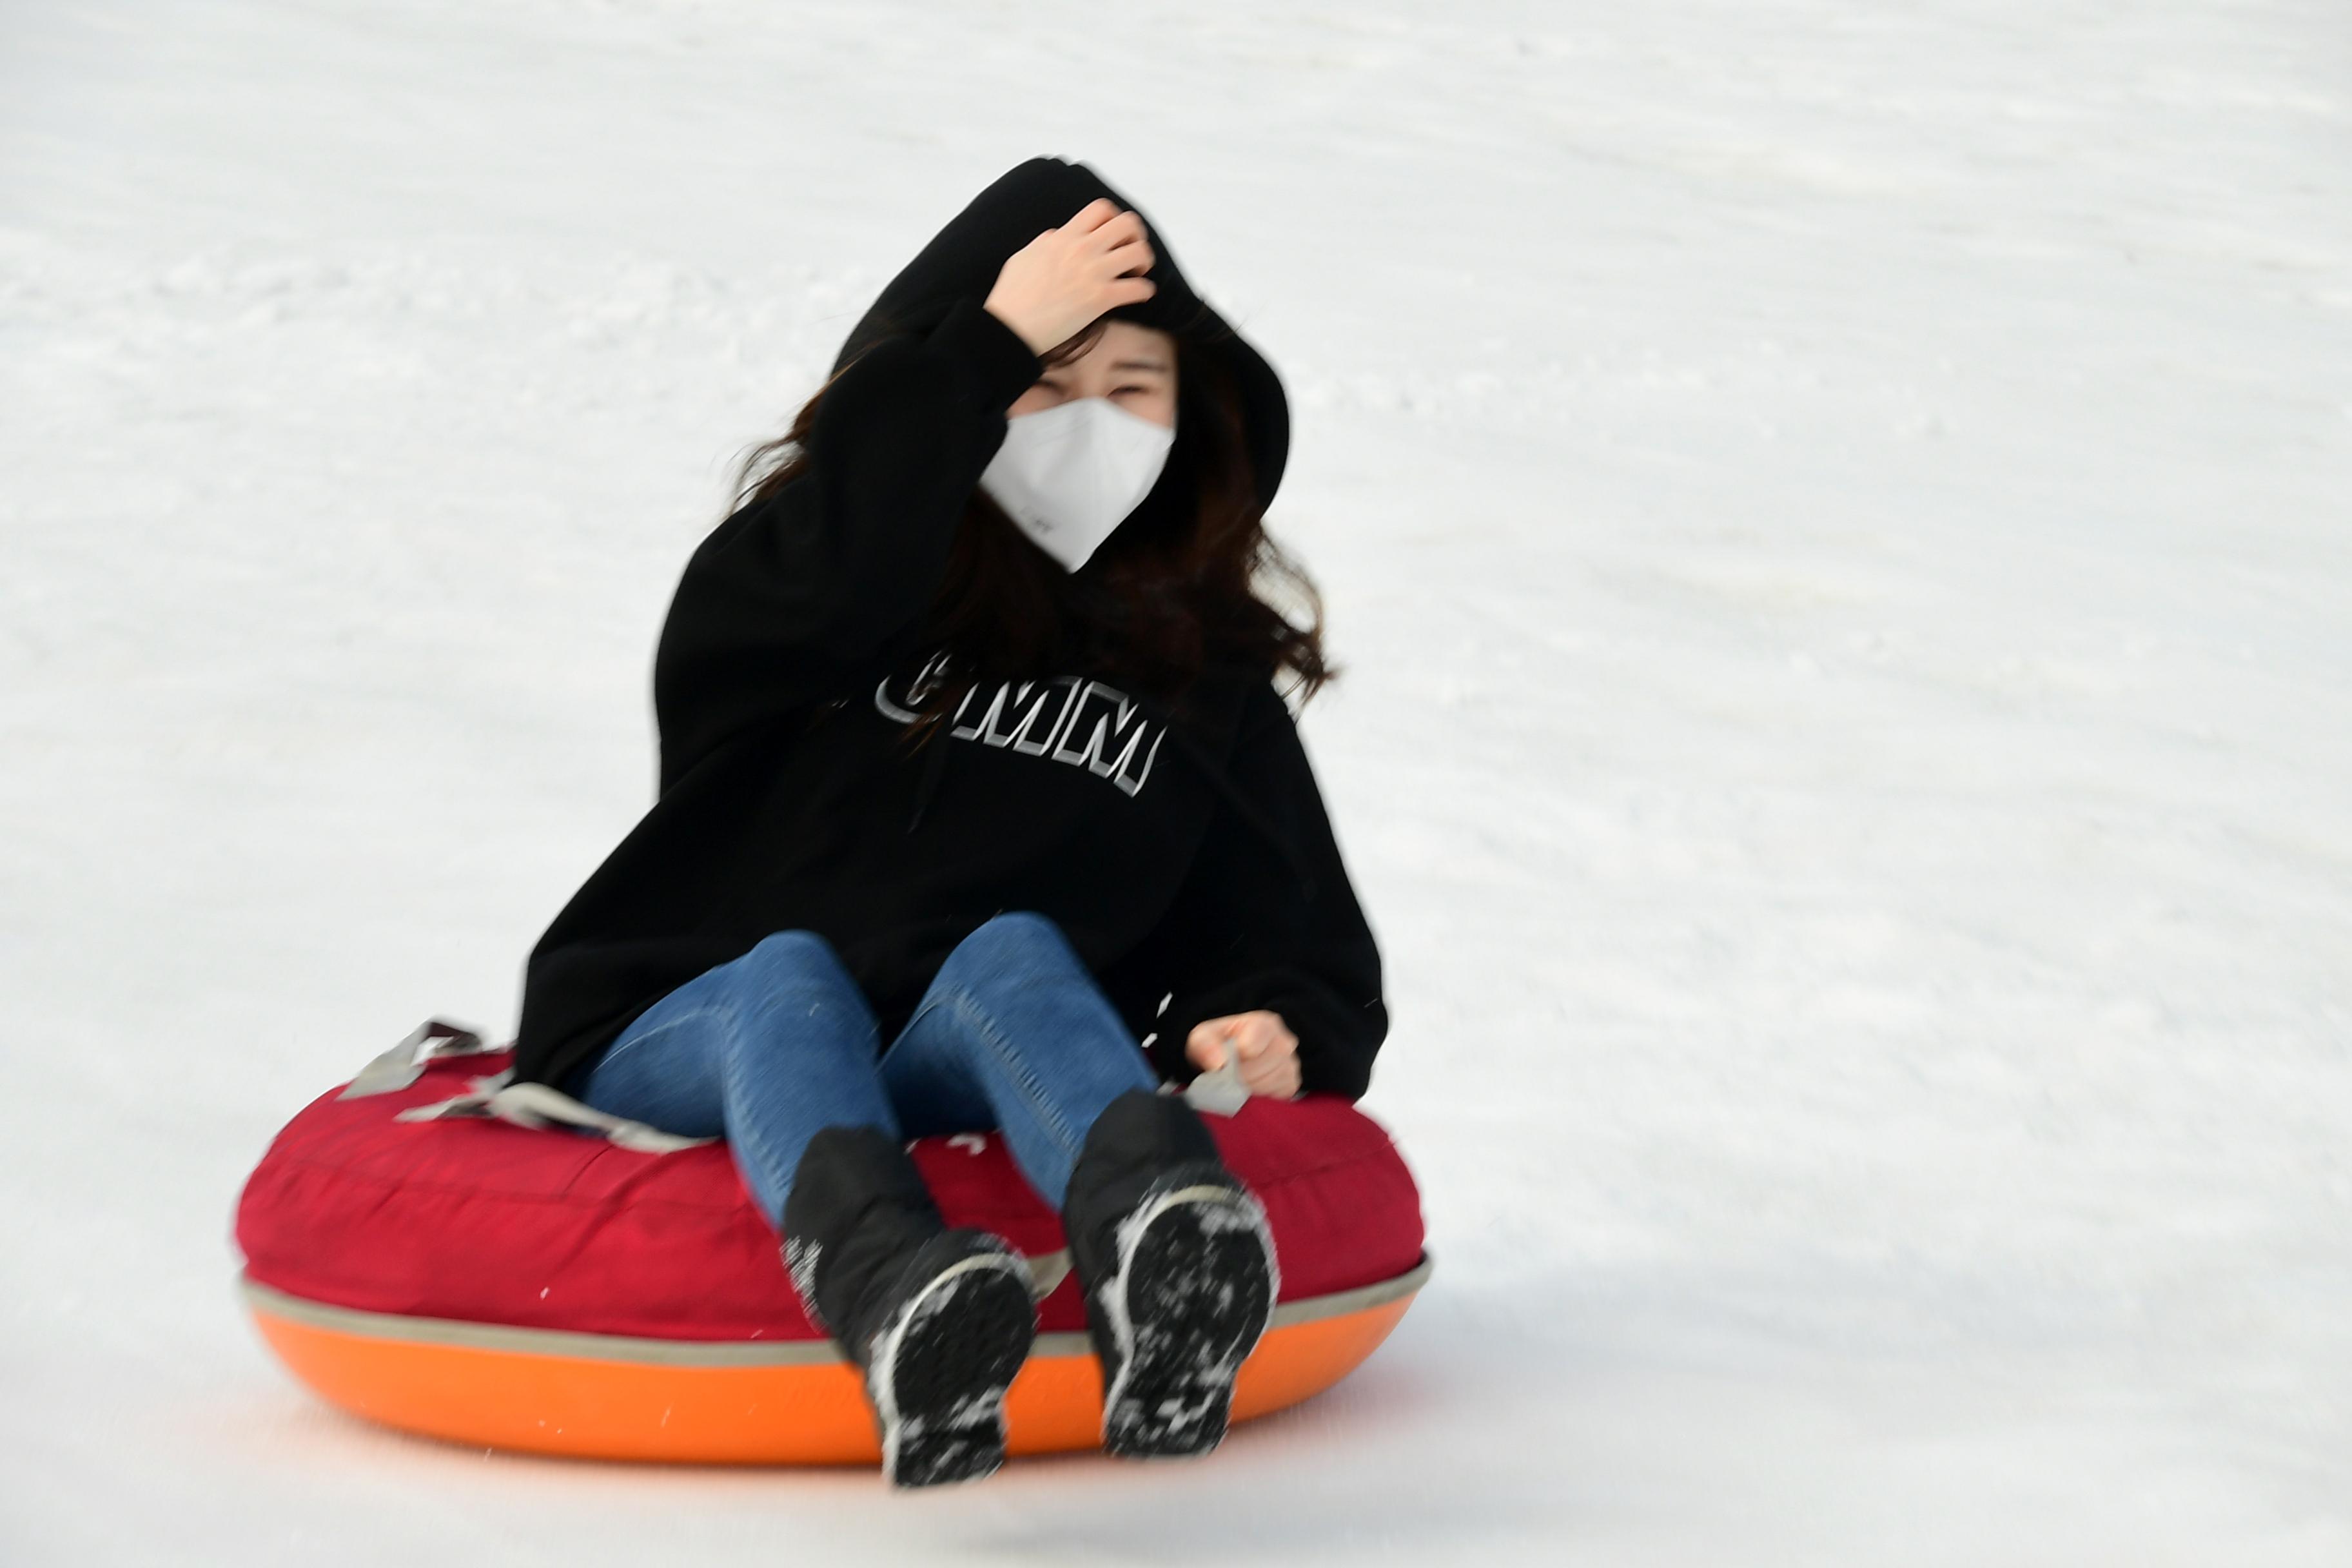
pixel 1195 1286
pixel 940 1371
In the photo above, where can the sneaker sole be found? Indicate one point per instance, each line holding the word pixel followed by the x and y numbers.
pixel 939 1374
pixel 1194 1291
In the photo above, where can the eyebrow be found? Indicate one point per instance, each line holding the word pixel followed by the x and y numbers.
pixel 1126 364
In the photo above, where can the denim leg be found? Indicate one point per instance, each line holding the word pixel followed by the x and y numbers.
pixel 1016 1034
pixel 765 1051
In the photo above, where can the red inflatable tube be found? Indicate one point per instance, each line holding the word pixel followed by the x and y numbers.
pixel 547 1291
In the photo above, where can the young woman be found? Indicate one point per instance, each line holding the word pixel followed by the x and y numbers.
pixel 978 808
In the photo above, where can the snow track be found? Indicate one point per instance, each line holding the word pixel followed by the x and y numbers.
pixel 1837 523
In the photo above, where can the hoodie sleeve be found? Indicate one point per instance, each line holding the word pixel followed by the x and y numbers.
pixel 1246 931
pixel 781 601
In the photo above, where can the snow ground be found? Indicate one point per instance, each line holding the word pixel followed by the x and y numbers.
pixel 1836 516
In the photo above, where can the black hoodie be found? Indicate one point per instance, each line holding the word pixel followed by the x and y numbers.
pixel 1185 853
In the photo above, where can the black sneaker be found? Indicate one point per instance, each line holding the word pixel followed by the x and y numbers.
pixel 1178 1268
pixel 945 1346
pixel 938 1320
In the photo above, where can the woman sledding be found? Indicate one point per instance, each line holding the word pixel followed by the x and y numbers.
pixel 980 808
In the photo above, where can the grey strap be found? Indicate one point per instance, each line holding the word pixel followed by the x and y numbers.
pixel 405 1063
pixel 1047 1271
pixel 540 1106
pixel 1222 1092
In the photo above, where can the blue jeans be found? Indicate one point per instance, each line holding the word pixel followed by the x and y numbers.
pixel 1014 1035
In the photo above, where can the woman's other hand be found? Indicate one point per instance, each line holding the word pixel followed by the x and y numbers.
pixel 1268 1049
pixel 1052 289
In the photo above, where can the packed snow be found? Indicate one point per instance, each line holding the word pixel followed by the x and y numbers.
pixel 1836 517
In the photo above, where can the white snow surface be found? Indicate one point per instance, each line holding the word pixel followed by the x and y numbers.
pixel 1836 517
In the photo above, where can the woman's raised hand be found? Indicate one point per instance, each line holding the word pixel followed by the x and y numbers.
pixel 1052 288
pixel 1268 1051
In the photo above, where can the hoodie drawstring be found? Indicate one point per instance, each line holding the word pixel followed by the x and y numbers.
pixel 935 765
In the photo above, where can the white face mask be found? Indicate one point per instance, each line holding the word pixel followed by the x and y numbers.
pixel 1068 475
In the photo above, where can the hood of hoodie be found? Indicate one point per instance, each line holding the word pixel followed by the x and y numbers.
pixel 962 260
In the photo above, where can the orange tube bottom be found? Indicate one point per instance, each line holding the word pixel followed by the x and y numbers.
pixel 811 1413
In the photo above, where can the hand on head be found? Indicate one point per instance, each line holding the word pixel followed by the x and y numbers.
pixel 1052 289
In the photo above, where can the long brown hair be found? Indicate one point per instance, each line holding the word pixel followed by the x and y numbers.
pixel 1174 591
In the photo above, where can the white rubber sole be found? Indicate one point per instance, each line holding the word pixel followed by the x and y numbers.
pixel 940 1372
pixel 1194 1293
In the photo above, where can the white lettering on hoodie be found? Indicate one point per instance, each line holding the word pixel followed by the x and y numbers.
pixel 1068 719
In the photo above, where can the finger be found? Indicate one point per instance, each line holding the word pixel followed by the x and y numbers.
pixel 1136 256
pixel 1279 1040
pixel 1276 1076
pixel 1120 227
pixel 1204 1050
pixel 1093 215
pixel 1122 243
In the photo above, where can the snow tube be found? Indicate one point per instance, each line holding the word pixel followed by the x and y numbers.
pixel 509 1288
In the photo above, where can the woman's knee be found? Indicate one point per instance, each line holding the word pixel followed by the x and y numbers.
pixel 789 979
pixel 1014 935
pixel 793 954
